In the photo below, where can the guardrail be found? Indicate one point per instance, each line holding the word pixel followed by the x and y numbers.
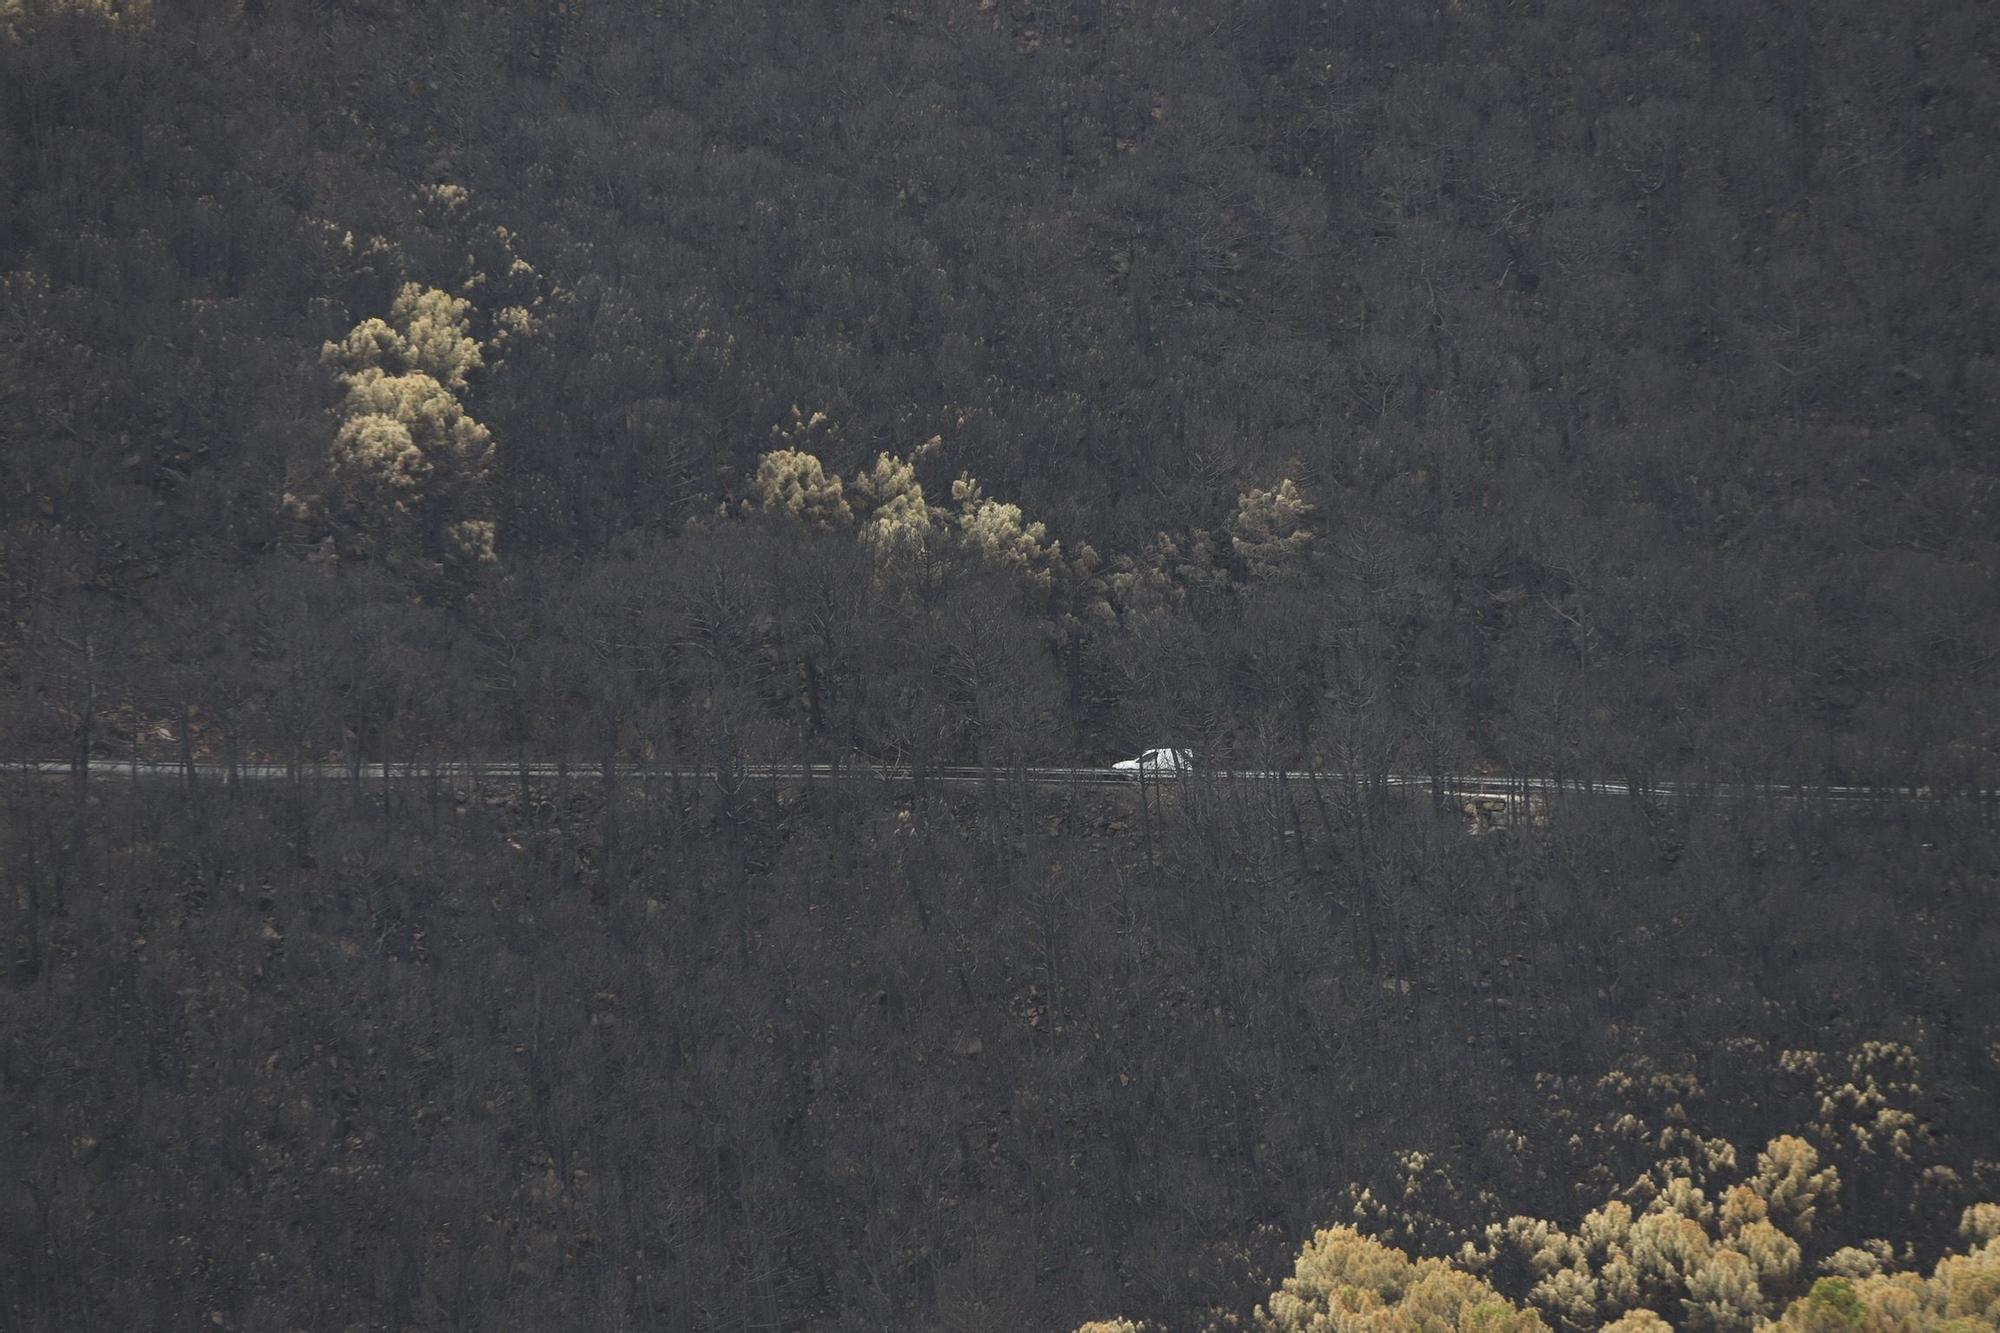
pixel 1450 785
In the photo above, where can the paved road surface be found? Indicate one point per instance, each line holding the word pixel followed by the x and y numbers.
pixel 488 772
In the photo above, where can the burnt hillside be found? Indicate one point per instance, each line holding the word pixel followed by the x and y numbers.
pixel 1349 388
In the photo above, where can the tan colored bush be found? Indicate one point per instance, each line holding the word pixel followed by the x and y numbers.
pixel 1980 1223
pixel 380 449
pixel 1638 1321
pixel 900 518
pixel 1722 1291
pixel 1856 1261
pixel 999 534
pixel 369 345
pixel 793 482
pixel 1791 1185
pixel 406 445
pixel 436 422
pixel 1268 530
pixel 1967 1286
pixel 472 541
pixel 1772 1254
pixel 409 465
pixel 1607 1228
pixel 1961 1295
pixel 435 340
pixel 1344 1282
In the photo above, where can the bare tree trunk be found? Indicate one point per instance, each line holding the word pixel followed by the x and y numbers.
pixel 610 794
pixel 85 727
pixel 186 745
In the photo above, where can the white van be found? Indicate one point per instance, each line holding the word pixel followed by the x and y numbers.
pixel 1157 763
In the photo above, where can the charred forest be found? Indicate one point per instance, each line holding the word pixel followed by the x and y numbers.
pixel 561 560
